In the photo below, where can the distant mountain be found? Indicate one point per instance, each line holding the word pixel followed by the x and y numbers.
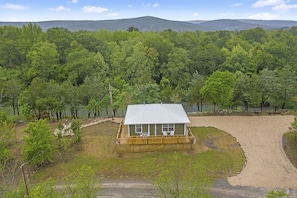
pixel 156 24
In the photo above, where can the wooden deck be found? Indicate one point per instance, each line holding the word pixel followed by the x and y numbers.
pixel 152 143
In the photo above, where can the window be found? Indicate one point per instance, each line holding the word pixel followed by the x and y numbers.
pixel 168 127
pixel 138 128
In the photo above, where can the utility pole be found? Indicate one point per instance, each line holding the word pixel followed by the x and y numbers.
pixel 24 178
pixel 110 99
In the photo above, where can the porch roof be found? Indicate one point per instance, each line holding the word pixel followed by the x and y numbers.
pixel 155 114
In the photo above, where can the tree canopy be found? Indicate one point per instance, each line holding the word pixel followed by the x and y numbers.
pixel 49 73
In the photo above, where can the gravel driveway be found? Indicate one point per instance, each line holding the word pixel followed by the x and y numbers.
pixel 261 139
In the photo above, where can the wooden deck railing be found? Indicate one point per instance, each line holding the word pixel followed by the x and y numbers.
pixel 159 139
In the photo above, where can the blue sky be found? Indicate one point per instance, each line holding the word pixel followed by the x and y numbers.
pixel 181 10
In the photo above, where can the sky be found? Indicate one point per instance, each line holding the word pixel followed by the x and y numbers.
pixel 179 10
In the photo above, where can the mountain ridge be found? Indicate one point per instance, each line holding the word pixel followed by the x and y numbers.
pixel 149 23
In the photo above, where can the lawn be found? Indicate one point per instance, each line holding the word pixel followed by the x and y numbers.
pixel 290 147
pixel 215 150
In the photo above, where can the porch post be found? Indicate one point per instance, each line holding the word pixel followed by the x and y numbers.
pixel 185 130
pixel 128 130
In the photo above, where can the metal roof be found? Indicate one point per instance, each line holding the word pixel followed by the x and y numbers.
pixel 155 114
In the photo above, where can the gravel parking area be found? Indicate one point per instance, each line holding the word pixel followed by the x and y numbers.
pixel 260 137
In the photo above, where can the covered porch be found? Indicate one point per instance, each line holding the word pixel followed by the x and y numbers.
pixel 145 143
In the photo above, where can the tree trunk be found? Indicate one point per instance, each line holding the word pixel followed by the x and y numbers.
pixel 284 105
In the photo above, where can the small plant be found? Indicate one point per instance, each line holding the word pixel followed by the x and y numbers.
pixel 293 128
pixel 276 194
pixel 76 127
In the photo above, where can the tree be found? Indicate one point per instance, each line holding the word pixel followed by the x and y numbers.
pixel 177 68
pixel 132 29
pixel 76 127
pixel 146 94
pixel 39 145
pixel 247 90
pixel 62 38
pixel 182 182
pixel 219 89
pixel 12 90
pixel 238 59
pixel 81 183
pixel 196 85
pixel 141 64
pixel 205 59
pixel 166 90
pixel 42 61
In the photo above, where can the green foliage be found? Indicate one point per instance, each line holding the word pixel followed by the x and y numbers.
pixel 219 89
pixel 146 94
pixel 18 192
pixel 45 189
pixel 3 153
pixel 293 128
pixel 39 146
pixel 276 194
pixel 82 183
pixel 58 70
pixel 76 127
pixel 179 181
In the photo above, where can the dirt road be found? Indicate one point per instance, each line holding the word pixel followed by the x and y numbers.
pixel 261 139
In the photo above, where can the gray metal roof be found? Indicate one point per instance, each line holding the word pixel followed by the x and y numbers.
pixel 155 114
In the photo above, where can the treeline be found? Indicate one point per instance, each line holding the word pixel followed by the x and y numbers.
pixel 47 72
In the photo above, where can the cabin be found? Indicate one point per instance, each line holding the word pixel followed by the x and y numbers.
pixel 156 119
pixel 155 127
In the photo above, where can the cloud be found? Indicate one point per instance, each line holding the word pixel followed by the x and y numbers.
pixel 59 8
pixel 195 14
pixel 237 5
pixel 263 16
pixel 13 6
pixel 150 5
pixel 91 9
pixel 284 7
pixel 72 1
pixel 264 3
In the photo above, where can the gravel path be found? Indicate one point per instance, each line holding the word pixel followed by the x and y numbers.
pixel 261 139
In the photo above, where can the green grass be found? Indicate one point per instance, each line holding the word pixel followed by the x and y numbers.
pixel 225 158
pixel 290 147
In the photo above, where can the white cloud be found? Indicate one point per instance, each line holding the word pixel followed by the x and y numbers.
pixel 195 14
pixel 237 5
pixel 156 5
pixel 90 9
pixel 13 6
pixel 264 3
pixel 72 1
pixel 59 8
pixel 284 7
pixel 263 16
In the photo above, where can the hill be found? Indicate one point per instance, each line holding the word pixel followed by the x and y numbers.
pixel 148 23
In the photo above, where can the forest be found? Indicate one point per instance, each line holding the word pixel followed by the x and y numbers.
pixel 45 73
